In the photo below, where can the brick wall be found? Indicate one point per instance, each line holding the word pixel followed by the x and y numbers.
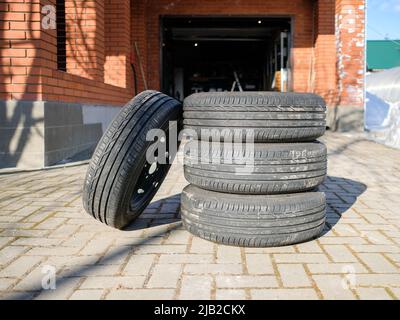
pixel 323 75
pixel 19 50
pixel 28 69
pixel 328 56
pixel 117 42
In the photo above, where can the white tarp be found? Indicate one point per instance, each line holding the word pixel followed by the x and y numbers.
pixel 382 109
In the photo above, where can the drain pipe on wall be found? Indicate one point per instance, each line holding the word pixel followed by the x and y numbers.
pixel 141 66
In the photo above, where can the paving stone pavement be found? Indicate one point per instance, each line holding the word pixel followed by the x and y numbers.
pixel 44 231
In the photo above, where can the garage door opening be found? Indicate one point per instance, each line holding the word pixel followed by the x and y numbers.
pixel 225 54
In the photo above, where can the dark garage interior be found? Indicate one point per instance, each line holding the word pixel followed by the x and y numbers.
pixel 225 54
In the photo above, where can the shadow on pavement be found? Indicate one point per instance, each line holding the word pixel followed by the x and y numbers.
pixel 165 213
pixel 341 194
pixel 160 212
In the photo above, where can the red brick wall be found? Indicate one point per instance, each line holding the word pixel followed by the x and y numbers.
pixel 19 50
pixel 28 69
pixel 117 42
pixel 328 52
pixel 323 76
pixel 85 38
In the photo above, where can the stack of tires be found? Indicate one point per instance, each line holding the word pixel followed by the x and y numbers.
pixel 255 194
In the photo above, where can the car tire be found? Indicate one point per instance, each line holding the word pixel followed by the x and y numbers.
pixel 266 168
pixel 253 220
pixel 118 184
pixel 260 116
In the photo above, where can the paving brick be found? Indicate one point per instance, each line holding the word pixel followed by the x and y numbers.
pixel 87 295
pixel 5 283
pixel 141 294
pixel 396 292
pixel 95 247
pixel 195 288
pixel 93 270
pixel 139 264
pixel 259 264
pixel 116 256
pixel 36 242
pixel 394 256
pixel 24 233
pixel 213 268
pixel 342 240
pixel 186 258
pixel 64 231
pixel 26 211
pixel 301 258
pixel 51 223
pixel 227 254
pixel 17 295
pixel 16 225
pixel 335 268
pixel 165 276
pixel 340 253
pixel 20 266
pixel 309 247
pixel 374 218
pixel 163 248
pixel 377 237
pixel 53 251
pixel 73 261
pixel 284 294
pixel 333 287
pixel 113 282
pixel 378 280
pixel 373 294
pixel 65 288
pixel 375 248
pixel 201 246
pixel 282 249
pixel 178 237
pixel 78 239
pixel 230 294
pixel 10 253
pixel 245 281
pixel 293 275
pixel 378 263
pixel 31 281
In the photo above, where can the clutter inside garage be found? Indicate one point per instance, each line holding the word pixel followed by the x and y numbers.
pixel 225 54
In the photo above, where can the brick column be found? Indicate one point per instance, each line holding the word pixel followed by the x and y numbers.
pixel 350 27
pixel 348 113
pixel 117 42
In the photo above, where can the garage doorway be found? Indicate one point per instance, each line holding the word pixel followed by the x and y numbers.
pixel 225 54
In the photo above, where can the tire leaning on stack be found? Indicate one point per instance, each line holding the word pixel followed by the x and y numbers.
pixel 120 182
pixel 274 203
